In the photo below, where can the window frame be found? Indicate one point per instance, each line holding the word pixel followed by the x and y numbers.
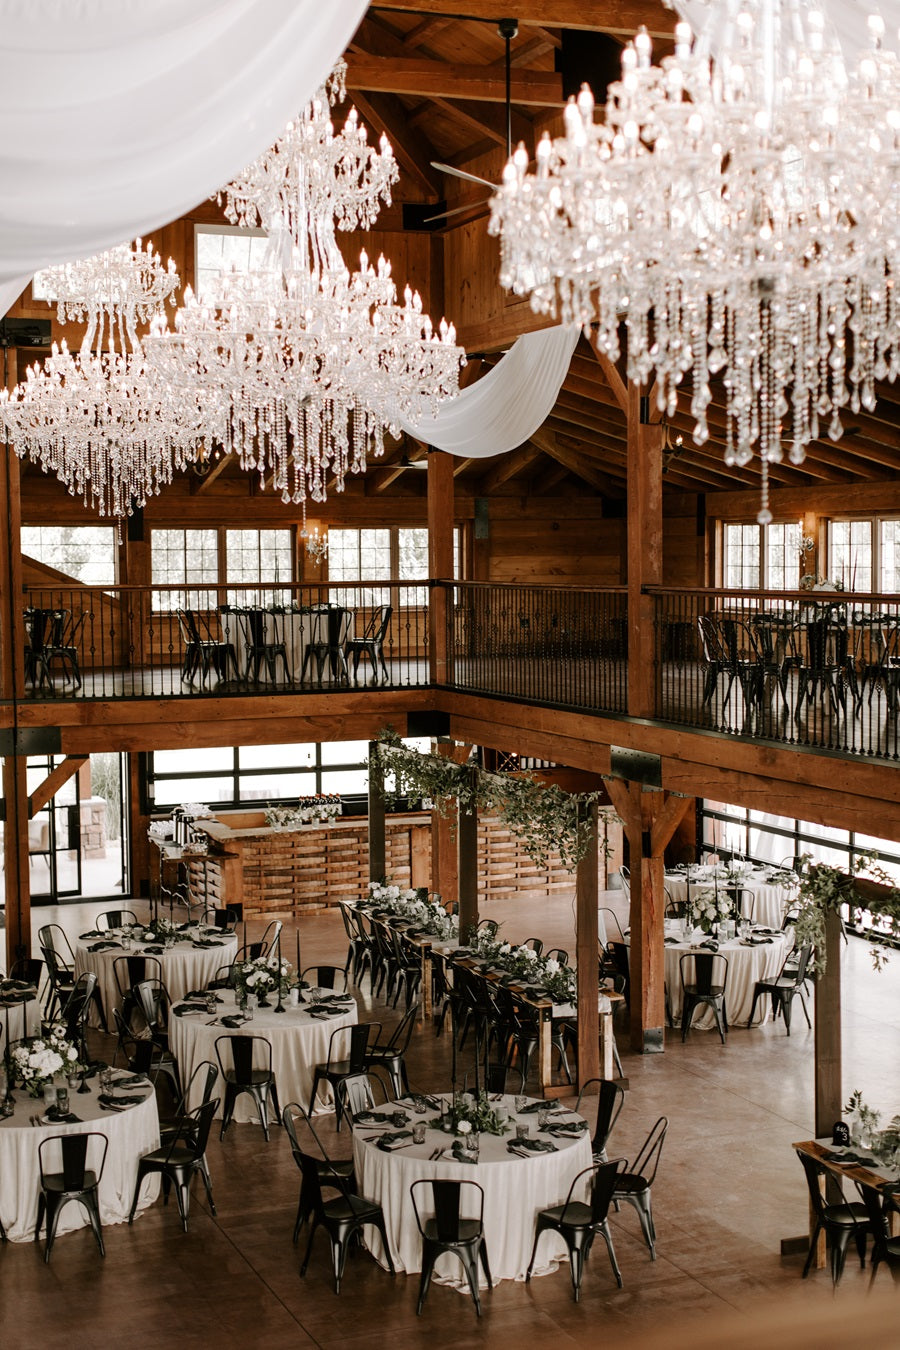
pixel 763 553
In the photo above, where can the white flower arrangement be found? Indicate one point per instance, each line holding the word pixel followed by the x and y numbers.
pixel 413 904
pixel 262 975
pixel 708 907
pixel 38 1061
pixel 325 807
pixel 464 1127
pixel 195 811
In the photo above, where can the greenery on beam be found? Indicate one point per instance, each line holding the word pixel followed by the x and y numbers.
pixel 825 889
pixel 544 817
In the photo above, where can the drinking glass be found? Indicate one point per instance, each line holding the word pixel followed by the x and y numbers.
pixel 543 1118
pixel 62 1101
pixel 521 1103
pixel 211 1004
pixel 521 1130
pixel 473 1143
pixel 295 998
pixel 252 1004
pixel 419 1132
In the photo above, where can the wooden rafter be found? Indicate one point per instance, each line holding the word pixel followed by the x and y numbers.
pixel 218 466
pixel 507 467
pixel 413 151
pixel 53 782
pixel 610 16
pixel 429 79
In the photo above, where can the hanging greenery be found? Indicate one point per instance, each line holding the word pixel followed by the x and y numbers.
pixel 825 889
pixel 545 818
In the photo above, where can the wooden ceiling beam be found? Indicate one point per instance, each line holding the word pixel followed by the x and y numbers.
pixel 439 79
pixel 507 467
pixel 609 16
pixel 218 466
pixel 484 119
pixel 571 461
pixel 412 150
pixel 544 483
pixel 424 31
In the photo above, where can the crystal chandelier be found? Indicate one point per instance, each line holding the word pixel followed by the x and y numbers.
pixel 316 545
pixel 737 210
pixel 308 363
pixel 101 421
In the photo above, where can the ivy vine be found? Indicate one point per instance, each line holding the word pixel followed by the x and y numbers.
pixel 824 889
pixel 543 816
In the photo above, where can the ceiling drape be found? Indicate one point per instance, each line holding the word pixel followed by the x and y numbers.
pixel 118 116
pixel 504 408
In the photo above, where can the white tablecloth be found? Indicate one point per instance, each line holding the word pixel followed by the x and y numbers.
pixel 515 1189
pixel 746 965
pixel 769 900
pixel 131 1133
pixel 299 1042
pixel 18 1020
pixel 184 967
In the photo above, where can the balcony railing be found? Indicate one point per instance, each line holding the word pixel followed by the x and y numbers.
pixel 806 668
pixel 91 642
pixel 540 644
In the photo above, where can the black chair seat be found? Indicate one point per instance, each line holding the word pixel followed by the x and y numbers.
pixel 627 1183
pixel 57 1183
pixel 577 1214
pixel 848 1215
pixel 178 1155
pixel 468 1230
pixel 255 1078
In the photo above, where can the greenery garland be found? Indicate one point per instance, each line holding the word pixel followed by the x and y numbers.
pixel 824 889
pixel 544 817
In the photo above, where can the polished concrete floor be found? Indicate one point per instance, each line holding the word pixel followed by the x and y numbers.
pixel 729 1188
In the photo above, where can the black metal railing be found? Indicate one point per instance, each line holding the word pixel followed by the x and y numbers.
pixel 808 668
pixel 561 646
pixel 93 642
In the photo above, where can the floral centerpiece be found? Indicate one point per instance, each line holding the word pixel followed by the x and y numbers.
pixel 864 1131
pixel 325 806
pixel 709 907
pixel 470 1112
pixel 165 930
pixel 261 977
pixel 412 903
pixel 524 964
pixel 37 1060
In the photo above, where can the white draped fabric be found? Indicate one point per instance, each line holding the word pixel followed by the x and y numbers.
pixel 515 1190
pixel 299 1042
pixel 131 1134
pixel 501 411
pixel 769 899
pixel 120 115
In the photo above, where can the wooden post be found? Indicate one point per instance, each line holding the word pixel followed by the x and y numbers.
pixel 587 898
pixel 376 817
pixel 644 551
pixel 467 852
pixel 440 558
pixel 15 859
pixel 444 858
pixel 829 1091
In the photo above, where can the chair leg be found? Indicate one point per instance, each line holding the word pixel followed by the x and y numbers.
pixel 203 1169
pixel 537 1238
pixel 93 1209
pixel 228 1108
pixel 470 1266
pixel 687 1015
pixel 603 1230
pixel 756 993
pixel 812 1248
pixel 137 1191
pixel 309 1246
pixel 425 1280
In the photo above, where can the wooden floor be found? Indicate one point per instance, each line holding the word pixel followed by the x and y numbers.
pixel 728 1190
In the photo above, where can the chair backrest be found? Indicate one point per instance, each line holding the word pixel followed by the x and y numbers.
pixel 30 968
pixel 710 971
pixel 647 1161
pixel 115 918
pixel 743 902
pixel 535 943
pixel 78 1004
pixel 360 1035
pixel 610 1100
pixel 325 977
pixel 713 651
pixel 402 1034
pixel 557 954
pixel 270 936
pixel 153 1001
pixel 813 1170
pixel 129 971
pixel 875 1213
pixel 604 1176
pixel 294 1116
pixel 356 1094
pixel 52 936
pixel 243 1050
pixel 73 1149
pixel 446 1204
pixel 223 918
pixel 138 1053
pixel 205 1073
pixel 602 914
pixel 489 926
pixel 187 622
pixel 382 617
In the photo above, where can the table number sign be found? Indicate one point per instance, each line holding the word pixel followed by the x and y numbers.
pixel 840 1134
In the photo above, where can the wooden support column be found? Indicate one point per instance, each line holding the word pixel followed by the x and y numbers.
pixel 140 870
pixel 644 550
pixel 467 849
pixel 650 818
pixel 376 817
pixel 444 852
pixel 440 558
pixel 587 898
pixel 15 859
pixel 829 1092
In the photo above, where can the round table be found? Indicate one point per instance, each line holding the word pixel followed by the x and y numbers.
pixel 20 1014
pixel 770 898
pixel 746 965
pixel 131 1133
pixel 515 1189
pixel 185 966
pixel 299 1042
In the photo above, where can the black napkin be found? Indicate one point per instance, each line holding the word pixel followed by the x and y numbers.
pixel 199 996
pixel 133 1080
pixel 189 1009
pixel 535 1107
pixel 566 1128
pixel 460 1153
pixel 321 1012
pixel 393 1139
pixel 760 941
pixel 202 942
pixel 710 945
pixel 104 946
pixel 53 1116
pixel 92 932
pixel 530 1146
pixel 370 1118
pixel 105 1100
pixel 148 951
pixel 851 1158
pixel 234 1021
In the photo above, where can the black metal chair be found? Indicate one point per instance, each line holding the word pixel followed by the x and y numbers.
pixel 337 1171
pixel 709 986
pixel 445 1230
pixel 328 635
pixel 76 1181
pixel 784 988
pixel 840 1222
pixel 884 1247
pixel 358 943
pixel 129 971
pixel 325 977
pixel 60 962
pixel 152 1001
pixel 557 954
pixel 535 944
pixel 610 1100
pixel 137 1052
pixel 356 1093
pixel 270 937
pixel 634 1185
pixel 264 645
pixel 179 1159
pixel 390 1055
pixel 743 903
pixel 206 1074
pixel 242 1076
pixel 203 651
pixel 65 636
pixel 370 643
pixel 337 1066
pixel 341 1217
pixel 115 918
pixel 579 1223
pixel 76 1011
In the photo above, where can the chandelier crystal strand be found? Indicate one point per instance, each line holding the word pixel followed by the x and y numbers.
pixel 738 212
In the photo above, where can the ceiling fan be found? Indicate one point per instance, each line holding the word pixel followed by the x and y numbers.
pixel 508 29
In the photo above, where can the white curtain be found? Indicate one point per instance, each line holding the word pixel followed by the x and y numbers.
pixel 118 116
pixel 501 411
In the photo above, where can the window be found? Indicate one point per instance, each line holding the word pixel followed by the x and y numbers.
pixel 399 553
pixel 225 248
pixel 258 557
pixel 890 556
pixel 765 557
pixel 86 553
pixel 182 557
pixel 850 553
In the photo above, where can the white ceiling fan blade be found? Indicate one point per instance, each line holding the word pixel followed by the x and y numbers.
pixel 461 173
pixel 457 211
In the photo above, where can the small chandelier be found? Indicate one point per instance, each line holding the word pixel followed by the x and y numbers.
pixel 737 210
pixel 316 544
